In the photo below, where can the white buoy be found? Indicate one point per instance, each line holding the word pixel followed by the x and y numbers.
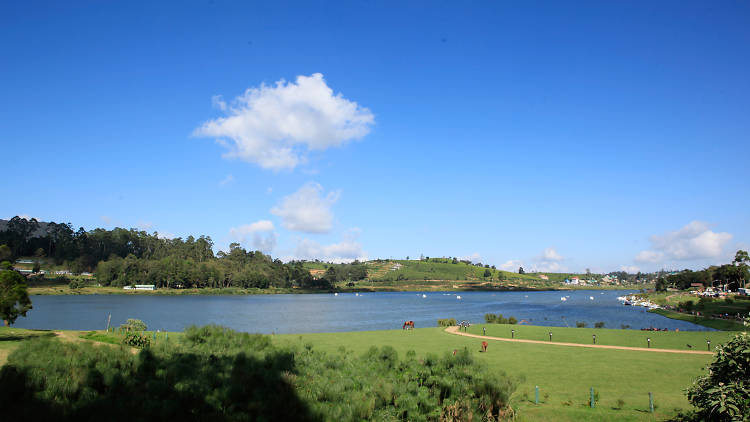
pixel 563 299
pixel 424 295
pixel 356 294
pixel 335 294
pixel 591 297
pixel 458 297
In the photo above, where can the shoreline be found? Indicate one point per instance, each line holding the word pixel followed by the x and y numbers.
pixel 448 286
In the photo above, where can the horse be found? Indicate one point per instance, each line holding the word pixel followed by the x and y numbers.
pixel 484 346
pixel 407 325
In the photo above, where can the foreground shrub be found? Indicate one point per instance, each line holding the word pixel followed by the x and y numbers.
pixel 724 394
pixel 214 373
pixel 446 322
pixel 134 325
pixel 138 340
pixel 490 318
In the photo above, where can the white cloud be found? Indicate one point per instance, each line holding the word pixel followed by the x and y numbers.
pixel 226 180
pixel 144 225
pixel 274 126
pixel 106 219
pixel 629 268
pixel 166 235
pixel 649 257
pixel 347 250
pixel 549 261
pixel 548 267
pixel 473 258
pixel 261 232
pixel 307 210
pixel 511 265
pixel 694 241
pixel 550 255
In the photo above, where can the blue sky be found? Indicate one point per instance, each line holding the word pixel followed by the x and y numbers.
pixel 554 135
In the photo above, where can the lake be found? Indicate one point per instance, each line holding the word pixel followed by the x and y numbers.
pixel 307 313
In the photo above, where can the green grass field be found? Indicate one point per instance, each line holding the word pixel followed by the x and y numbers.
pixel 610 337
pixel 563 374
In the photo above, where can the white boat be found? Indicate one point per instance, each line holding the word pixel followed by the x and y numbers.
pixel 591 297
pixel 424 295
pixel 563 298
pixel 458 297
pixel 335 294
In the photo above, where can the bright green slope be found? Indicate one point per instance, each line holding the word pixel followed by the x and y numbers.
pixel 565 373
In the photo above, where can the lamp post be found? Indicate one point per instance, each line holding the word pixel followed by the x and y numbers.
pixel 649 342
pixel 708 344
pixel 550 336
pixel 512 333
pixel 594 337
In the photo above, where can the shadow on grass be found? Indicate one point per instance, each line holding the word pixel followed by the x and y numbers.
pixel 26 336
pixel 52 380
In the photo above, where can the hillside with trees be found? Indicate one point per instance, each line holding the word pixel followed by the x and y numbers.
pixel 122 257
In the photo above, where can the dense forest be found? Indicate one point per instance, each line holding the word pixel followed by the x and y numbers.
pixel 121 257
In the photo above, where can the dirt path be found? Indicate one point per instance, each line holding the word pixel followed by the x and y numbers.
pixel 73 338
pixel 454 330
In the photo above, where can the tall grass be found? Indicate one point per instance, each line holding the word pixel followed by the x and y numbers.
pixel 214 373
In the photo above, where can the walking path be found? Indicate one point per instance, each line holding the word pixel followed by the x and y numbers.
pixel 455 330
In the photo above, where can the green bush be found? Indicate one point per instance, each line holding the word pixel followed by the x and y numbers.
pixel 724 393
pixel 490 318
pixel 133 325
pixel 599 324
pixel 213 373
pixel 446 322
pixel 580 324
pixel 512 320
pixel 75 284
pixel 134 339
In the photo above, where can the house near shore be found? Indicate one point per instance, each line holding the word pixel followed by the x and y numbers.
pixel 140 287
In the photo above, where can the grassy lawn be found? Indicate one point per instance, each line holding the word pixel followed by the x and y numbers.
pixel 11 337
pixel 563 374
pixel 718 324
pixel 605 336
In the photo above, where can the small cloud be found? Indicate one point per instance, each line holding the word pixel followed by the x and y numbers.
pixel 649 257
pixel 275 126
pixel 694 241
pixel 261 232
pixel 473 258
pixel 144 225
pixel 629 269
pixel 106 219
pixel 218 102
pixel 307 210
pixel 226 180
pixel 348 250
pixel 511 265
pixel 550 254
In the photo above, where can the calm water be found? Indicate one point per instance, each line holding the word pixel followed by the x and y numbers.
pixel 346 312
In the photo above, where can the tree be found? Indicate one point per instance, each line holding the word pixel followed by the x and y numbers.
pixel 14 297
pixel 487 273
pixel 36 268
pixel 741 261
pixel 521 271
pixel 5 253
